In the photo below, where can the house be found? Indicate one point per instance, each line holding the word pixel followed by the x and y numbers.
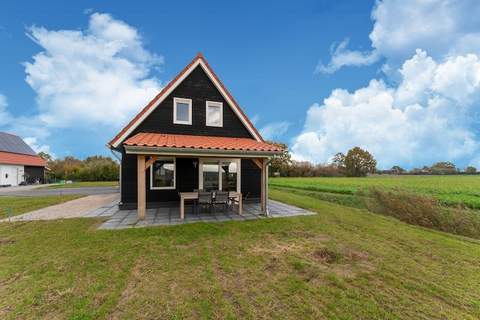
pixel 192 135
pixel 18 162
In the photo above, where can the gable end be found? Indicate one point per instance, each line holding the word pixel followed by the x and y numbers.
pixel 169 89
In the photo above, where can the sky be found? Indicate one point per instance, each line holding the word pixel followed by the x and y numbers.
pixel 400 78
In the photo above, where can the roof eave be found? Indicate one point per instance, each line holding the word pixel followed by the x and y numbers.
pixel 199 152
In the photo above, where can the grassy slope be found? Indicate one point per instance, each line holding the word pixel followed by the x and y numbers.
pixel 85 184
pixel 450 189
pixel 20 205
pixel 258 269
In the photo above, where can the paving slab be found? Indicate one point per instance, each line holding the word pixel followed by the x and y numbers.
pixel 168 216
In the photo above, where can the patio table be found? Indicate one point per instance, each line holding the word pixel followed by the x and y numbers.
pixel 194 195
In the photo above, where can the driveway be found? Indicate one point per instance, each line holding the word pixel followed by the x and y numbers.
pixel 36 191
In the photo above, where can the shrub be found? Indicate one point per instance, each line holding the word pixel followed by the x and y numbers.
pixel 423 211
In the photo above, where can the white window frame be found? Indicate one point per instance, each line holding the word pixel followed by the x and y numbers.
pixel 174 174
pixel 214 104
pixel 238 161
pixel 186 101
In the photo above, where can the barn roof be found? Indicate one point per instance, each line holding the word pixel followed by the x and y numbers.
pixel 14 144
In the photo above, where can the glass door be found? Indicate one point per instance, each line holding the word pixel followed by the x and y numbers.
pixel 219 174
pixel 210 176
pixel 229 175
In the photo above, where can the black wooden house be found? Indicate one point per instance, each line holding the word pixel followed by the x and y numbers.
pixel 192 135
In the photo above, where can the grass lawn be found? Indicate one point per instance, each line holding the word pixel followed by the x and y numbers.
pixel 19 205
pixel 85 184
pixel 453 189
pixel 344 263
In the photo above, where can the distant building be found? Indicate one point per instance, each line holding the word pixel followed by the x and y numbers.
pixel 18 162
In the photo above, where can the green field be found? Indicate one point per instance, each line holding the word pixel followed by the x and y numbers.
pixel 450 190
pixel 84 184
pixel 20 205
pixel 344 263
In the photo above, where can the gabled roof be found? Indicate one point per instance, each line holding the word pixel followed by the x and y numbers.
pixel 15 144
pixel 199 60
pixel 180 141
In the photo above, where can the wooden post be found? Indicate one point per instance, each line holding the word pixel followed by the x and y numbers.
pixel 263 190
pixel 141 185
pixel 266 188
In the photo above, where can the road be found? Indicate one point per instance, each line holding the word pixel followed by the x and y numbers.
pixel 35 191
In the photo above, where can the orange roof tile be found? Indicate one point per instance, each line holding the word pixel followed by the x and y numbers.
pixel 21 159
pixel 161 140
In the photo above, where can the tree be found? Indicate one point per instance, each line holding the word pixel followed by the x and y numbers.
pixel 45 156
pixel 96 168
pixel 339 160
pixel 443 167
pixel 359 162
pixel 471 170
pixel 280 163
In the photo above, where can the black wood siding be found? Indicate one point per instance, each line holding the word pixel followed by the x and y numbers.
pixel 198 87
pixel 251 179
pixel 34 174
pixel 186 180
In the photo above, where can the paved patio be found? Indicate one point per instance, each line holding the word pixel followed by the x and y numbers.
pixel 121 219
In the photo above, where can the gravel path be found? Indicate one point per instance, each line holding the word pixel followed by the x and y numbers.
pixel 72 209
pixel 40 192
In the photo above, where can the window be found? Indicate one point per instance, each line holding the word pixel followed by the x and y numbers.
pixel 229 176
pixel 182 111
pixel 210 176
pixel 223 174
pixel 162 174
pixel 214 114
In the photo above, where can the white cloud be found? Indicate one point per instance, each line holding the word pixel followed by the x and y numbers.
pixel 5 116
pixel 426 118
pixel 84 79
pixel 426 107
pixel 274 130
pixel 341 57
pixel 33 143
pixel 97 76
pixel 443 27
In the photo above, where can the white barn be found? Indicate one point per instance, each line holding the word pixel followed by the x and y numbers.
pixel 18 162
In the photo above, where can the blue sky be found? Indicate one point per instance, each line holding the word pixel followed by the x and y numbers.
pixel 280 59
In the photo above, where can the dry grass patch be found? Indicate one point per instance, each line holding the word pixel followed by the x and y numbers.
pixel 424 211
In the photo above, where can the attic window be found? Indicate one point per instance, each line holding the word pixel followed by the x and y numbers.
pixel 214 114
pixel 182 111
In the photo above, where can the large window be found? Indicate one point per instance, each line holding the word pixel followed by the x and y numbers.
pixel 210 176
pixel 214 114
pixel 162 174
pixel 219 174
pixel 182 111
pixel 229 176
